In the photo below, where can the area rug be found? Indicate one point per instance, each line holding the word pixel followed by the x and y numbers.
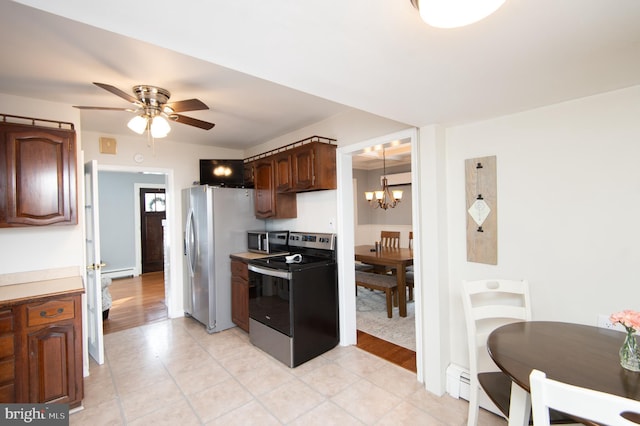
pixel 371 317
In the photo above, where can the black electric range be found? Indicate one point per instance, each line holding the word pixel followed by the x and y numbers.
pixel 315 250
pixel 293 299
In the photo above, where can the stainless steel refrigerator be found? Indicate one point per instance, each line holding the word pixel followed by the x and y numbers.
pixel 216 221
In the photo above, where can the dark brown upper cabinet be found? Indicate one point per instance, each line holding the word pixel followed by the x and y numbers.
pixel 37 176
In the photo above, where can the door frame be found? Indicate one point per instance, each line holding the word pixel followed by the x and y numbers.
pixel 430 221
pixel 172 286
pixel 137 224
pixel 346 229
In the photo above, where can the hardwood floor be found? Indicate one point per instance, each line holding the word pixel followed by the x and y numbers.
pixel 391 352
pixel 136 301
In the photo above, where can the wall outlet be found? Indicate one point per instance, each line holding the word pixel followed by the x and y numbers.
pixel 605 322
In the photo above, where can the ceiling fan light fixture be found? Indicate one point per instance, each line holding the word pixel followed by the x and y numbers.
pixel 138 124
pixel 159 127
pixel 153 112
pixel 455 13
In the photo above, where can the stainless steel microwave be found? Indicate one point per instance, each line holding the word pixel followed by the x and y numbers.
pixel 268 242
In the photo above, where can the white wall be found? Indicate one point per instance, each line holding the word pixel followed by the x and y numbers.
pixel 568 207
pixel 48 247
pixel 181 162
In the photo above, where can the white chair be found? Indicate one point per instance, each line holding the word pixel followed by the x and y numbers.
pixel 587 404
pixel 489 304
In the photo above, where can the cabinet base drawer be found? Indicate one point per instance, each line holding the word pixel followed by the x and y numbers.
pixel 50 312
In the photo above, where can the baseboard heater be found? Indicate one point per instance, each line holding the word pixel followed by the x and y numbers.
pixel 458 386
pixel 120 273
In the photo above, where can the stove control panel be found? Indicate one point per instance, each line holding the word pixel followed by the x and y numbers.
pixel 312 240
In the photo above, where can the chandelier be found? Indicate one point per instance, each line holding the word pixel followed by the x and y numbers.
pixel 385 198
pixel 455 13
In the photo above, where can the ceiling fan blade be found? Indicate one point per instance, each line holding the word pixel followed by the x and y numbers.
pixel 105 108
pixel 187 105
pixel 118 92
pixel 192 121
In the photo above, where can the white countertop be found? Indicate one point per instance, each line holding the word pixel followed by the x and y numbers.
pixel 40 288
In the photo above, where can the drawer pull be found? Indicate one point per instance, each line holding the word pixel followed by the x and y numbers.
pixel 43 314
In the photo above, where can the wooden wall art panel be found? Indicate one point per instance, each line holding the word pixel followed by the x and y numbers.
pixel 482 210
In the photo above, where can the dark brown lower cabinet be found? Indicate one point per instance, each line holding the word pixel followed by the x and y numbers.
pixel 51 364
pixel 240 294
pixel 45 363
pixel 7 356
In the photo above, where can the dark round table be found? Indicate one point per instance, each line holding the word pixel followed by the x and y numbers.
pixel 578 354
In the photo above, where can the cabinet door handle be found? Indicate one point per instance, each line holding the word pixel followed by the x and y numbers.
pixel 43 314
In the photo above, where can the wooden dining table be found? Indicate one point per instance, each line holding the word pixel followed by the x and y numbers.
pixel 398 258
pixel 577 354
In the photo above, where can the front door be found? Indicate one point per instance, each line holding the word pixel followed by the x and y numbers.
pixel 152 215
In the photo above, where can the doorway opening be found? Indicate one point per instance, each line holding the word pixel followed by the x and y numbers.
pixel 134 250
pixel 152 217
pixel 392 337
pixel 347 194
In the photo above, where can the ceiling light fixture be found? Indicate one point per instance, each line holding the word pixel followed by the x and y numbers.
pixel 157 125
pixel 455 13
pixel 385 199
pixel 154 114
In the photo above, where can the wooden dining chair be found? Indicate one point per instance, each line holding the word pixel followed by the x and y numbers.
pixel 409 277
pixel 390 239
pixel 587 404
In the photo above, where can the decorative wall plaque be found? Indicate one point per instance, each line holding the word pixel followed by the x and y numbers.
pixel 482 210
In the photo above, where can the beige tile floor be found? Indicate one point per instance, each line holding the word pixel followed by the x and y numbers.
pixel 174 373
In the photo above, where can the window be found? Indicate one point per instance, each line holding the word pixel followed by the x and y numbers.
pixel 154 202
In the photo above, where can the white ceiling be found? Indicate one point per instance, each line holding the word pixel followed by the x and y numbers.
pixel 266 68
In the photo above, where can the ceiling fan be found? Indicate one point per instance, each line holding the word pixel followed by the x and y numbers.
pixel 153 109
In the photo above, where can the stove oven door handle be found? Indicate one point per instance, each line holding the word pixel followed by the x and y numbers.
pixel 270 272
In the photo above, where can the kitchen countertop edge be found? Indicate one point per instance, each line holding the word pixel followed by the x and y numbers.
pixel 15 293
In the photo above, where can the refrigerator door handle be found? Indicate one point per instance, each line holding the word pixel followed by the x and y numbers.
pixel 190 242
